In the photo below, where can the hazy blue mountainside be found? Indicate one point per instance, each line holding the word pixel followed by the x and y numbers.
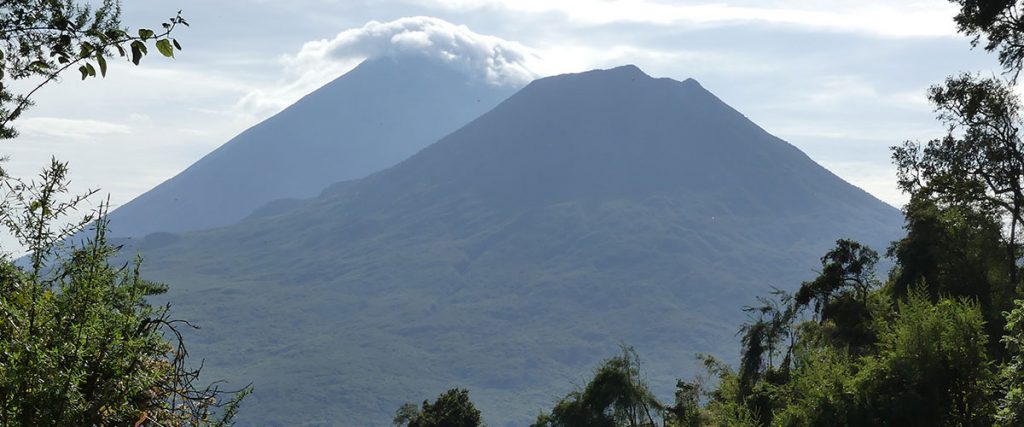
pixel 378 114
pixel 511 256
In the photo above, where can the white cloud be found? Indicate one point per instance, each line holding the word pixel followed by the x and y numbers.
pixel 488 58
pixel 69 128
pixel 140 117
pixel 259 103
pixel 878 17
pixel 491 58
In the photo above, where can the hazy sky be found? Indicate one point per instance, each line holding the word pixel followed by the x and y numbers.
pixel 842 80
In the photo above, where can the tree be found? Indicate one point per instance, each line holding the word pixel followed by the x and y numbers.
pixel 846 269
pixel 79 342
pixel 1011 406
pixel 952 250
pixel 451 409
pixel 929 367
pixel 839 296
pixel 979 165
pixel 763 336
pixel 820 391
pixel 1000 23
pixel 955 251
pixel 760 345
pixel 725 406
pixel 686 412
pixel 40 39
pixel 615 397
pixel 932 367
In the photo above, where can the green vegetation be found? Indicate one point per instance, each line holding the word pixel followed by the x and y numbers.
pixel 40 39
pixel 616 396
pixel 80 344
pixel 451 409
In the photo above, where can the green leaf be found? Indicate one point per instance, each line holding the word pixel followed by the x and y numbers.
pixel 176 44
pixel 138 51
pixel 165 48
pixel 145 34
pixel 32 207
pixel 90 69
pixel 87 50
pixel 103 63
pixel 84 71
pixel 115 34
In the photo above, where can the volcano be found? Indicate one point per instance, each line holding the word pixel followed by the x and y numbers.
pixel 383 111
pixel 584 212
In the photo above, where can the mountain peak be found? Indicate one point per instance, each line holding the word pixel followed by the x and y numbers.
pixel 613 133
pixel 628 70
pixel 369 119
pixel 485 57
pixel 629 78
pixel 627 73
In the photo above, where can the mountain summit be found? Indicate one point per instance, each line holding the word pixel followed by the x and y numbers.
pixel 621 133
pixel 371 118
pixel 586 211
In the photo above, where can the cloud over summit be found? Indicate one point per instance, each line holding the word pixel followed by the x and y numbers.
pixel 489 58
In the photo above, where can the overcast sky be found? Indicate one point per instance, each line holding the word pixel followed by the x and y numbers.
pixel 843 80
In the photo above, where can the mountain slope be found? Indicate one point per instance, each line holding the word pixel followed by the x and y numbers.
pixel 585 211
pixel 371 118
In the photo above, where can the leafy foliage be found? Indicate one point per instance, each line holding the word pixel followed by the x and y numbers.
pixel 1011 407
pixel 932 367
pixel 40 39
pixel 840 294
pixel 451 409
pixel 616 396
pixel 999 22
pixel 955 251
pixel 79 343
pixel 979 165
pixel 686 412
